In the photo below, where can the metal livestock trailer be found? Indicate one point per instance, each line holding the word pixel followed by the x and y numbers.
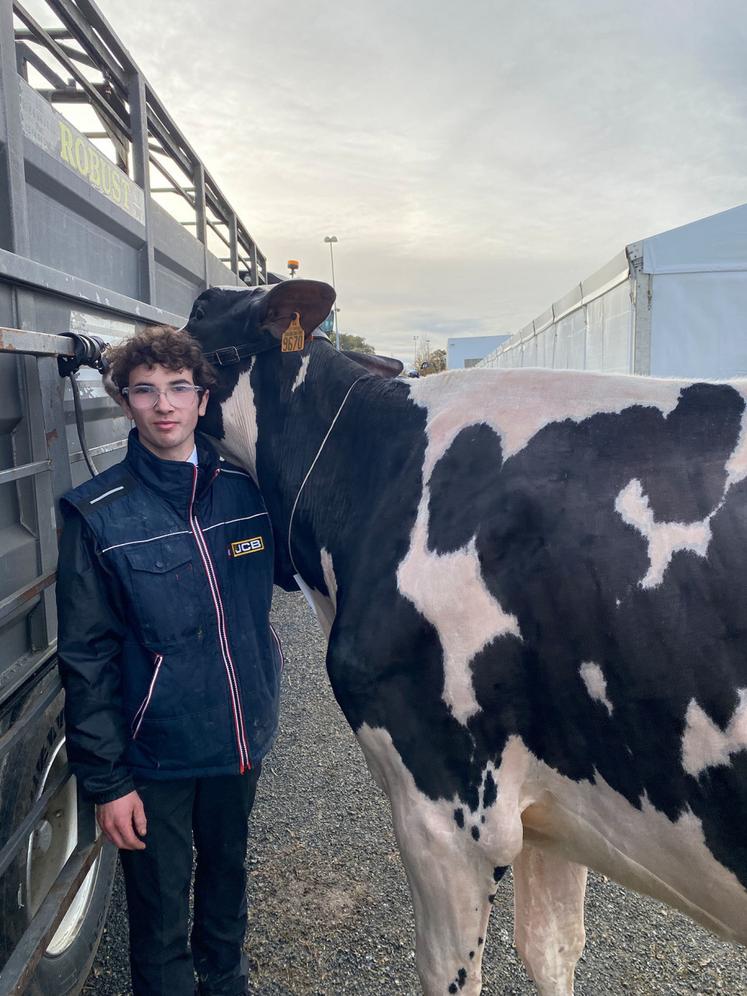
pixel 87 246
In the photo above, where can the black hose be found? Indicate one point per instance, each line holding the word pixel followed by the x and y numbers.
pixel 81 425
pixel 88 351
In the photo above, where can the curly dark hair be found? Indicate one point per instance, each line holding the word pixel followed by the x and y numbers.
pixel 162 344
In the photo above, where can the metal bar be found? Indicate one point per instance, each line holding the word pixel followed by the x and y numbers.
pixel 58 33
pixel 98 450
pixel 77 56
pixel 169 190
pixel 68 63
pixel 81 30
pixel 64 95
pixel 21 270
pixel 141 176
pixel 177 187
pixel 40 66
pixel 255 270
pixel 93 16
pixel 221 236
pixel 15 732
pixel 27 670
pixel 27 954
pixel 87 26
pixel 12 602
pixel 198 178
pixel 233 235
pixel 26 826
pixel 18 473
pixel 14 233
pixel 35 343
pixel 39 391
pixel 169 147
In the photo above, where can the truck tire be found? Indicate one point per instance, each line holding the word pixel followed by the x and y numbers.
pixel 65 965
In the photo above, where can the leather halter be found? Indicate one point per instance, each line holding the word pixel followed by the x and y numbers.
pixel 227 355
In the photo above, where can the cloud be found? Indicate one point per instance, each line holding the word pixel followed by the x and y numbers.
pixel 473 162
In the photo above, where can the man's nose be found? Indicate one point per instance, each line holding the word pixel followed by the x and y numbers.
pixel 163 404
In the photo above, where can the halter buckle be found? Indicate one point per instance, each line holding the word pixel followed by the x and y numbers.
pixel 232 355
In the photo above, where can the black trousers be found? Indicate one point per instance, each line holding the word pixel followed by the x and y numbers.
pixel 157 881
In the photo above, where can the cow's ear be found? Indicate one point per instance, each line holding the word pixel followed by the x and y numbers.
pixel 382 366
pixel 311 300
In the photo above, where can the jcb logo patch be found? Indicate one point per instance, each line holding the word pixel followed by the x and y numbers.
pixel 242 547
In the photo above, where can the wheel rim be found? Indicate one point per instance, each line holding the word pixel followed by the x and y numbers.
pixel 49 847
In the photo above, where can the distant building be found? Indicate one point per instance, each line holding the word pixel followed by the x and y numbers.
pixel 468 350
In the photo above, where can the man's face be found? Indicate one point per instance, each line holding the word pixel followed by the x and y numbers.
pixel 168 427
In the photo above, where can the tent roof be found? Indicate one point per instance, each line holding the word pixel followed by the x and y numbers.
pixel 718 242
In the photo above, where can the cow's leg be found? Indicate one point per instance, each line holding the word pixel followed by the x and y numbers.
pixel 451 882
pixel 549 918
pixel 452 872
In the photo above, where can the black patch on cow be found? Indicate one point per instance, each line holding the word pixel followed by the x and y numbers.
pixel 491 898
pixel 499 871
pixel 474 459
pixel 453 988
pixel 490 791
pixel 707 421
pixel 462 977
pixel 459 818
pixel 479 940
pixel 476 833
pixel 472 954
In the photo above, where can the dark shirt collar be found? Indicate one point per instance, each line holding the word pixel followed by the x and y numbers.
pixel 172 480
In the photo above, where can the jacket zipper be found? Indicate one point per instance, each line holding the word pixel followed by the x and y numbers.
pixel 139 716
pixel 245 763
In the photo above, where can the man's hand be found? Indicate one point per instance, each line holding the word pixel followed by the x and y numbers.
pixel 120 819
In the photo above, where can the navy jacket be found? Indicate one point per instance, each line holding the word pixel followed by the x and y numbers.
pixel 169 663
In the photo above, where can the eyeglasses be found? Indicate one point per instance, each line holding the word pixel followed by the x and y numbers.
pixel 144 396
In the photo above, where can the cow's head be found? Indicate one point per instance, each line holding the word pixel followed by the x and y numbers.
pixel 255 318
pixel 272 408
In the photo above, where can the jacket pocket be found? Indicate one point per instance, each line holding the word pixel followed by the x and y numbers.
pixel 139 716
pixel 164 592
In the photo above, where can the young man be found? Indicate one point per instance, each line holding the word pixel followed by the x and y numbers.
pixel 170 667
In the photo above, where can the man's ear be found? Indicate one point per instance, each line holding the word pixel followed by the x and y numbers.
pixel 113 391
pixel 204 402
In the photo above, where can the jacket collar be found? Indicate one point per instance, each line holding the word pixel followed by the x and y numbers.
pixel 172 480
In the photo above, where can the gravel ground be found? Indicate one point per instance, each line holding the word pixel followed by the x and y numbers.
pixel 329 908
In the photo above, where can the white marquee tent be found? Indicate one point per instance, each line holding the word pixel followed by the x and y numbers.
pixel 673 305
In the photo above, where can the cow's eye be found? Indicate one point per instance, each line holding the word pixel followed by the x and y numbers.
pixel 199 313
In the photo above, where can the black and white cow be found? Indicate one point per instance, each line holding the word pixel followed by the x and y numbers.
pixel 535 589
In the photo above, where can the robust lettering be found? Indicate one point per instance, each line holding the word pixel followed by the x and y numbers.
pixel 66 144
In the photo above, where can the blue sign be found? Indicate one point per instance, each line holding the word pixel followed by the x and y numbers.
pixel 328 325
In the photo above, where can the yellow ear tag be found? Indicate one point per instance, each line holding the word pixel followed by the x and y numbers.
pixel 293 337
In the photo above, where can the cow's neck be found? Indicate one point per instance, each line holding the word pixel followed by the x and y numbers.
pixel 292 426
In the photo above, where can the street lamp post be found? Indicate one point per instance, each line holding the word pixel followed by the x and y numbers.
pixel 330 239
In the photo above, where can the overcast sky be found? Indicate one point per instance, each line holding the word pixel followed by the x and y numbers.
pixel 474 159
